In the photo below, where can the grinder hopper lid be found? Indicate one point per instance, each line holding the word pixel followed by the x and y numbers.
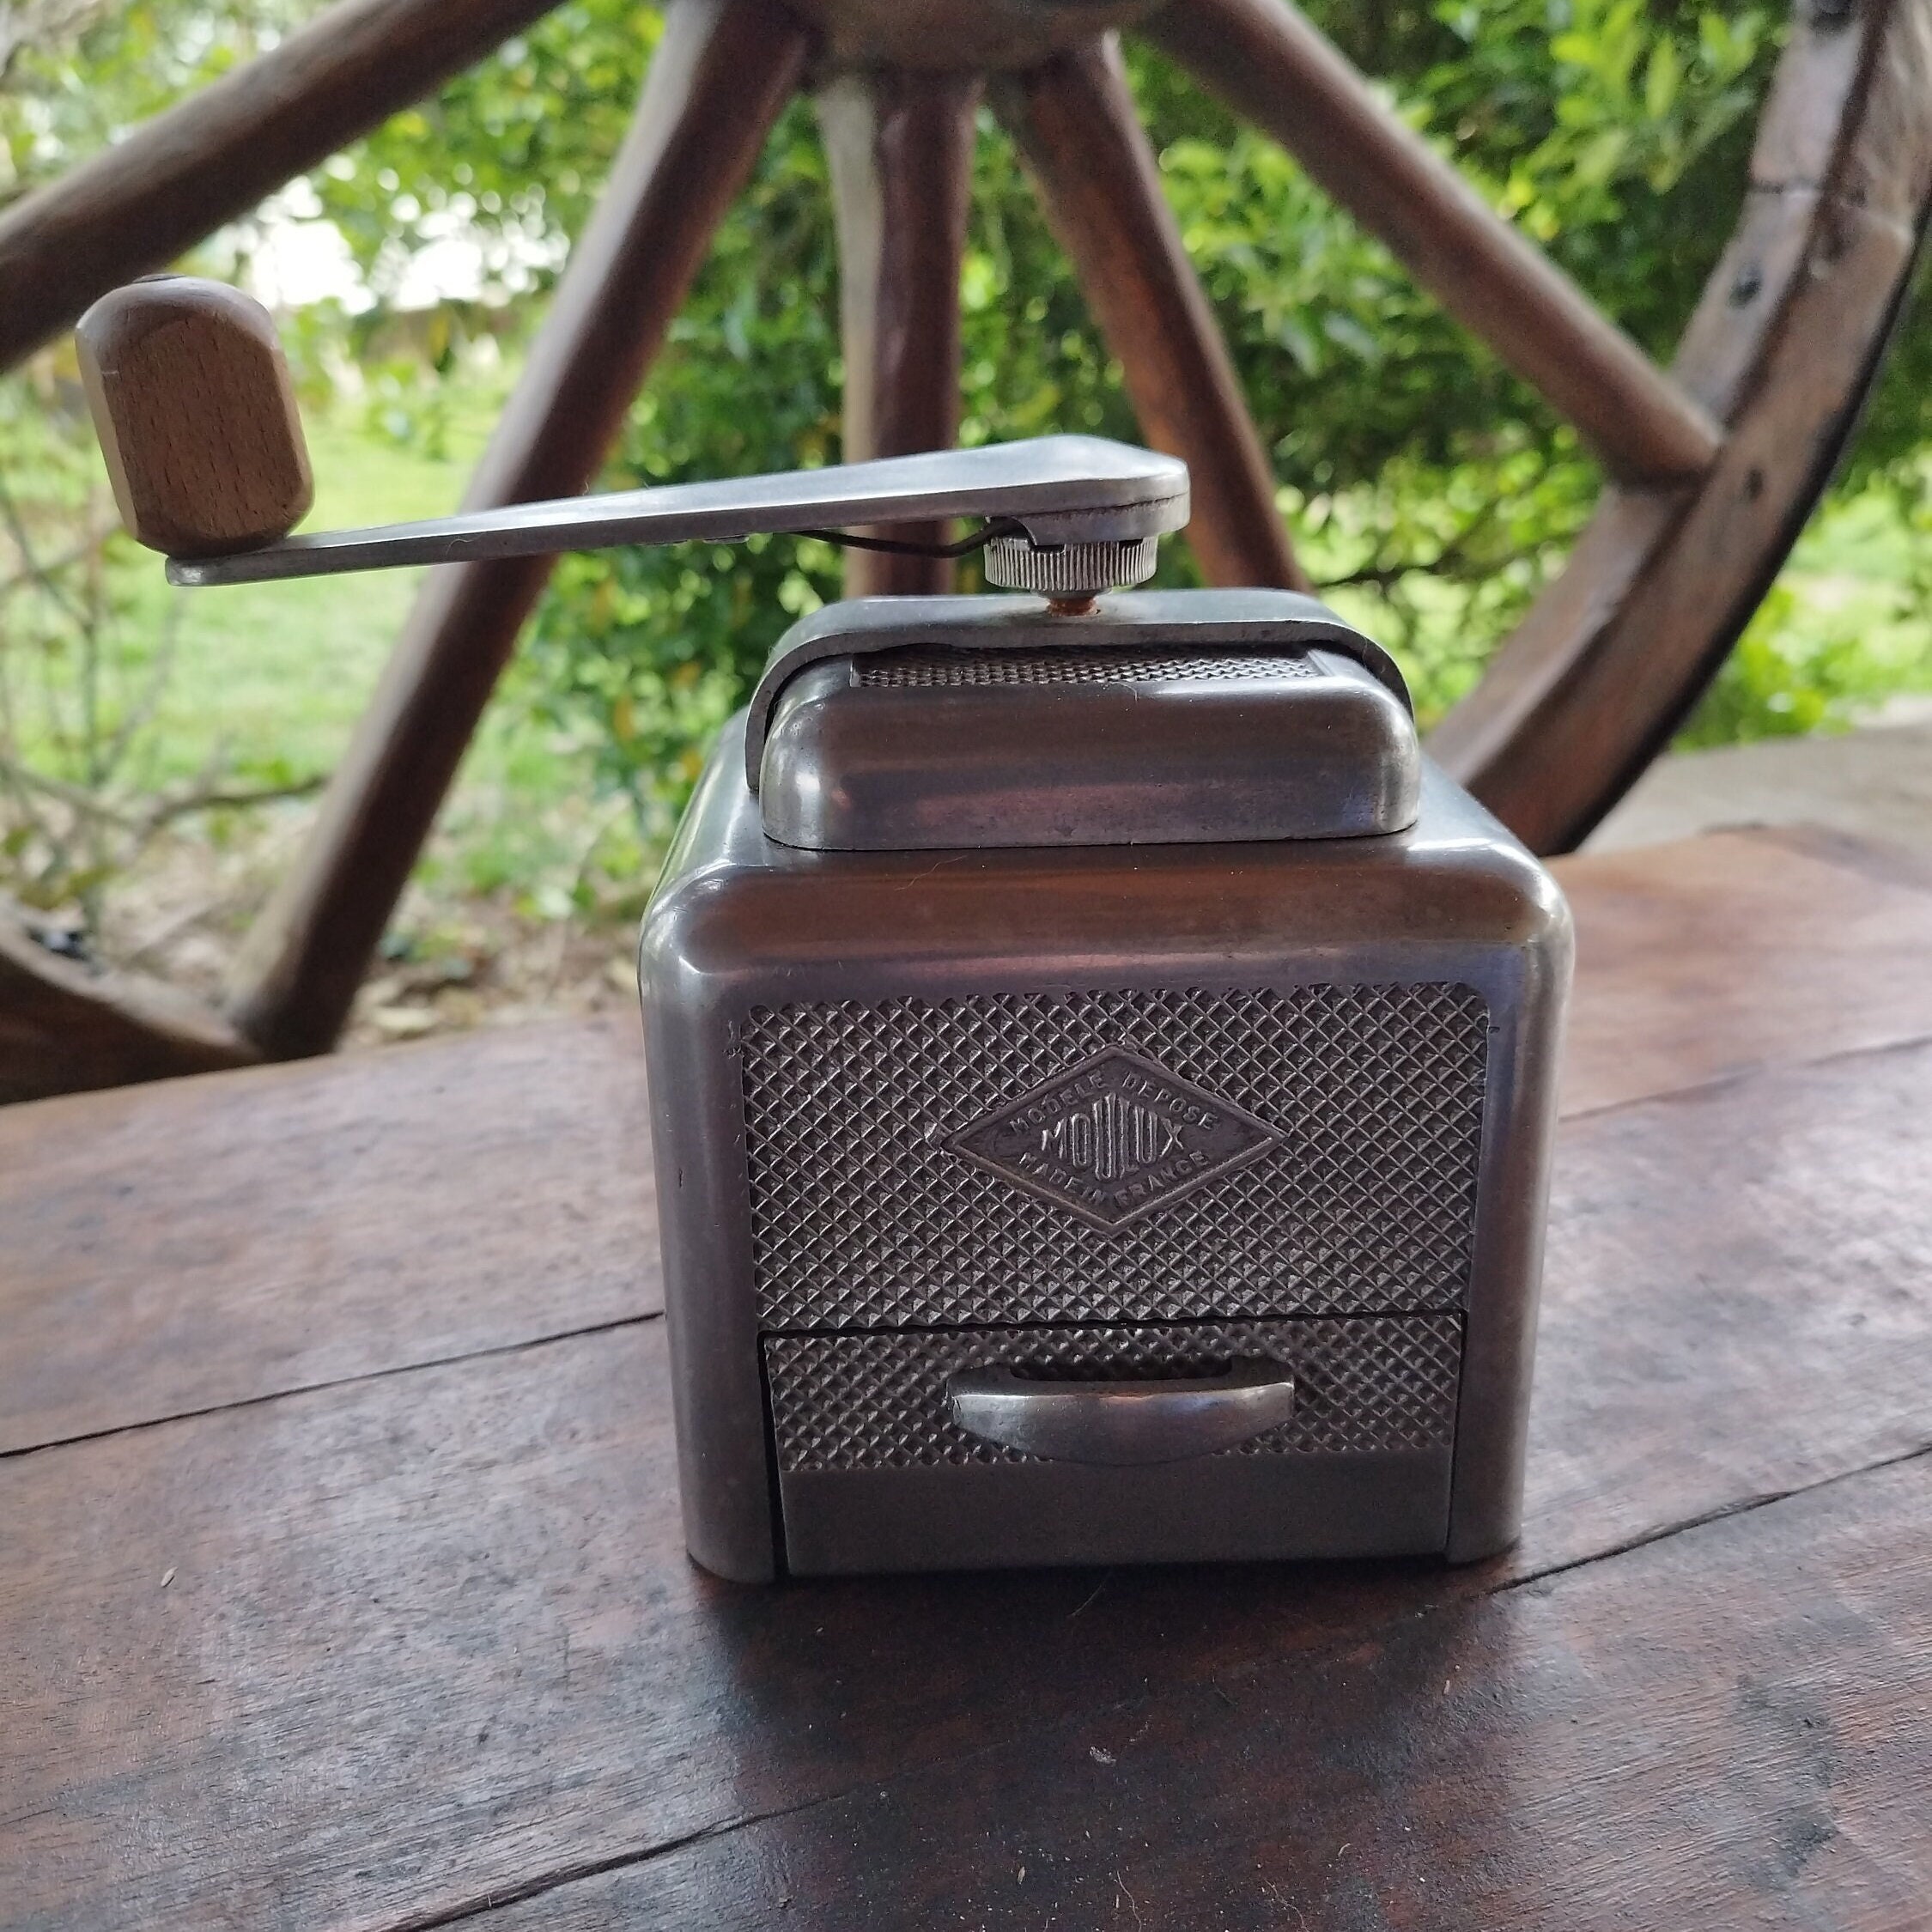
pixel 1158 717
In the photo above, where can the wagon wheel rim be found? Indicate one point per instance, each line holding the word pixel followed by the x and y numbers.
pixel 1714 464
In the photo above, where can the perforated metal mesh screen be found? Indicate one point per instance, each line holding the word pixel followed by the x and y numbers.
pixel 956 669
pixel 862 1216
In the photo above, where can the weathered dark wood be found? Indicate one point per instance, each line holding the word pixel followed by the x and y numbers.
pixel 139 204
pixel 1574 706
pixel 1870 857
pixel 1716 955
pixel 900 147
pixel 1709 1253
pixel 722 72
pixel 1075 122
pixel 1728 1728
pixel 1266 60
pixel 1785 342
pixel 428 1640
pixel 65 1028
pixel 1573 712
pixel 175 1249
pixel 192 402
pixel 929 35
pixel 323 1199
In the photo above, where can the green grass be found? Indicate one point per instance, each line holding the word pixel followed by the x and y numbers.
pixel 269 678
pixel 1847 625
pixel 267 681
pixel 265 684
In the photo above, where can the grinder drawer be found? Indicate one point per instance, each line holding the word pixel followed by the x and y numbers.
pixel 1301 1436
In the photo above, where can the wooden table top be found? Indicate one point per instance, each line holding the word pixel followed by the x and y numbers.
pixel 341 1582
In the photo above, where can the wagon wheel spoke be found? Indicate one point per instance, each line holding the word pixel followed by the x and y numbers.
pixel 1786 341
pixel 143 203
pixel 722 72
pixel 899 145
pixel 1781 350
pixel 1075 123
pixel 1266 60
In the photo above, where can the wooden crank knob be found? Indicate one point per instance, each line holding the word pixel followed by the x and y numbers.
pixel 197 415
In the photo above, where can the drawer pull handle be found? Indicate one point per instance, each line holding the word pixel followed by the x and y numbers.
pixel 1122 1422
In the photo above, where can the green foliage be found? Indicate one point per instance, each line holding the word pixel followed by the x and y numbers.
pixel 103 65
pixel 1780 681
pixel 1889 448
pixel 516 149
pixel 1430 493
pixel 79 674
pixel 1845 628
pixel 652 648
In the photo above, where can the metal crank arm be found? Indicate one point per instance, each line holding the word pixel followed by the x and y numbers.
pixel 1059 490
pixel 197 416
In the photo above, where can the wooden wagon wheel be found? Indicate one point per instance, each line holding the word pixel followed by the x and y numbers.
pixel 1714 464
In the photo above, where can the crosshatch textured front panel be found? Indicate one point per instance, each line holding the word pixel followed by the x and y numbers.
pixel 940 669
pixel 875 1402
pixel 865 1215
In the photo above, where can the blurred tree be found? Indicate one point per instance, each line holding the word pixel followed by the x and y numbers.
pixel 1429 490
pixel 1426 483
pixel 74 74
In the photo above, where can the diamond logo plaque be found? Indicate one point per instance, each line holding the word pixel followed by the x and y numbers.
pixel 1114 1138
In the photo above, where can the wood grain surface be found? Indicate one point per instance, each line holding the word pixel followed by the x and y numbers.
pixel 430 1638
pixel 1735 1299
pixel 1696 961
pixel 1725 1729
pixel 66 1027
pixel 176 1246
pixel 1704 958
pixel 397 1649
pixel 195 412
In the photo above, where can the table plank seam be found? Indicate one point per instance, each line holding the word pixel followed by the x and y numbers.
pixel 1723 1512
pixel 1723 1083
pixel 500 1898
pixel 537 1886
pixel 1883 860
pixel 1702 1090
pixel 328 1383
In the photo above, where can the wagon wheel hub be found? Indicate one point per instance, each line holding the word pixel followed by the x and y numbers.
pixel 995 36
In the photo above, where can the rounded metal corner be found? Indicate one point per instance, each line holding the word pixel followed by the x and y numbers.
pixel 1545 927
pixel 730 1566
pixel 1479 1542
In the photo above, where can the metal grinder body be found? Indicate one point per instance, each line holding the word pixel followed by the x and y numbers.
pixel 1102 1077
pixel 1102 1081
